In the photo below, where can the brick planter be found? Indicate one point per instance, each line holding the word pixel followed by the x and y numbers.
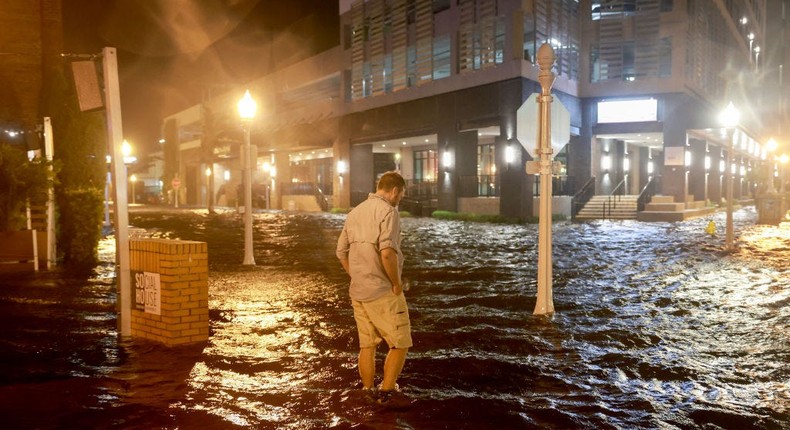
pixel 169 290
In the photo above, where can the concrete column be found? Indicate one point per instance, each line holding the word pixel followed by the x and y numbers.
pixel 283 165
pixel 715 175
pixel 341 187
pixel 697 174
pixel 361 179
pixel 461 148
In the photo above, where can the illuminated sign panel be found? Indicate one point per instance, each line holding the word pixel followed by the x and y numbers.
pixel 628 111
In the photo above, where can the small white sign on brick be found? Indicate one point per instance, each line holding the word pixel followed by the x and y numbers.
pixel 147 292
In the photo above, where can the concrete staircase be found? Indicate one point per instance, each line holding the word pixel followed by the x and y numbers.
pixel 664 208
pixel 606 207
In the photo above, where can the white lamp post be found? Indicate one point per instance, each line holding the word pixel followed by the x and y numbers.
pixel 247 108
pixel 729 118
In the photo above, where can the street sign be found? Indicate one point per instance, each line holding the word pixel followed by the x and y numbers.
pixel 527 125
pixel 175 183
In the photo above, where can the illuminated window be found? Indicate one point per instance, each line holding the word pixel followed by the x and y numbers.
pixel 486 170
pixel 627 111
pixel 426 166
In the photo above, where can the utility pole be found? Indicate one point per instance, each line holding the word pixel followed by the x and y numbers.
pixel 112 96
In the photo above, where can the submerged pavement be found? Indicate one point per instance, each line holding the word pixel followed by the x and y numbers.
pixel 655 327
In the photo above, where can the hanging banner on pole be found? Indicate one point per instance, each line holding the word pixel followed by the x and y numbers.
pixel 86 81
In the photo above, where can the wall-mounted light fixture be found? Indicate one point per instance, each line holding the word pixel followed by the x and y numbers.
pixel 707 163
pixel 650 167
pixel 687 158
pixel 510 155
pixel 447 161
pixel 606 162
pixel 226 175
pixel 208 171
pixel 342 168
pixel 626 164
pixel 722 166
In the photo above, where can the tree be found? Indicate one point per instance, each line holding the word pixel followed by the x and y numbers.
pixel 21 181
pixel 80 141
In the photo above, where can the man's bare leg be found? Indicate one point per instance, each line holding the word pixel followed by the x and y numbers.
pixel 367 366
pixel 392 367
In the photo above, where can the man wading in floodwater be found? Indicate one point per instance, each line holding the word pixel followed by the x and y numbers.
pixel 369 250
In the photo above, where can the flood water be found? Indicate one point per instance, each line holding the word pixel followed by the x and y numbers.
pixel 655 327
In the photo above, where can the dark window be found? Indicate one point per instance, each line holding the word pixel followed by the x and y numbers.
pixel 665 58
pixel 440 5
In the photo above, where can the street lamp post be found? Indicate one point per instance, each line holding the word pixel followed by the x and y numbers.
pixel 247 108
pixel 729 118
pixel 544 304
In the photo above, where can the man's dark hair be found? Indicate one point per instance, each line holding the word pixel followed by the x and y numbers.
pixel 390 180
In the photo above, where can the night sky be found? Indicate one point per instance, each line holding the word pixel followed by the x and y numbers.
pixel 171 52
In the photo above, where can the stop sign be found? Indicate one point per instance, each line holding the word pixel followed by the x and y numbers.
pixel 175 183
pixel 527 125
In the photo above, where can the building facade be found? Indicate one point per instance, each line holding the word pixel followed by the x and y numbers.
pixel 31 41
pixel 432 88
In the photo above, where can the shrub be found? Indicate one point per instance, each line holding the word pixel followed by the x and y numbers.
pixel 20 181
pixel 81 215
pixel 462 216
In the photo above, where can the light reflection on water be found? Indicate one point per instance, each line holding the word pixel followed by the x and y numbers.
pixel 656 327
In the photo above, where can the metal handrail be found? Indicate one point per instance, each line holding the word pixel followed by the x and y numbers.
pixel 582 197
pixel 647 193
pixel 614 197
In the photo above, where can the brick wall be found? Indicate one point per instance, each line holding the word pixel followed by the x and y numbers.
pixel 182 267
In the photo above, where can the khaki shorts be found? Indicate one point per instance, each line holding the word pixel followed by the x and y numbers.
pixel 384 318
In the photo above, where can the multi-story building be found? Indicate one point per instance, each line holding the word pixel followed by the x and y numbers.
pixel 31 41
pixel 432 88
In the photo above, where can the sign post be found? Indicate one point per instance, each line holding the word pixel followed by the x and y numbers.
pixel 112 96
pixel 541 139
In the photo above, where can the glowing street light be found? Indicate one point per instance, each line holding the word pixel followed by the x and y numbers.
pixel 247 108
pixel 126 150
pixel 729 118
